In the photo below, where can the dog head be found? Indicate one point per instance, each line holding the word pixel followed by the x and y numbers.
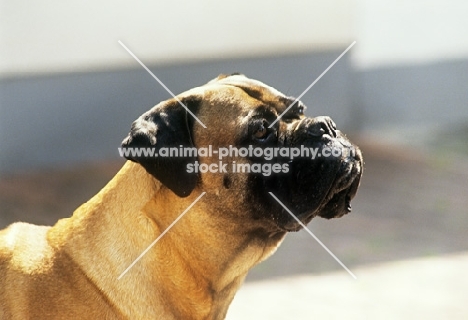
pixel 248 151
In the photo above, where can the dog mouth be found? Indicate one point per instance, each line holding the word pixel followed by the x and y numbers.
pixel 337 202
pixel 345 188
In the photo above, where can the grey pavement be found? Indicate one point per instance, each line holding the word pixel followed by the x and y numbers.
pixel 426 288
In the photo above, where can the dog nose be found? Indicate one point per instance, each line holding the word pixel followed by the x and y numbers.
pixel 320 126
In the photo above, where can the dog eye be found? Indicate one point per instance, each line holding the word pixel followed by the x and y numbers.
pixel 261 132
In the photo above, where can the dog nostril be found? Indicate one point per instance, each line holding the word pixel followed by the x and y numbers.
pixel 315 131
pixel 320 126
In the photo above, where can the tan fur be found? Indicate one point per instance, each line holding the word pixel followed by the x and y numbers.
pixel 70 270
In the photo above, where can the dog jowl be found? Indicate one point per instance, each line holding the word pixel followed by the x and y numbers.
pixel 242 119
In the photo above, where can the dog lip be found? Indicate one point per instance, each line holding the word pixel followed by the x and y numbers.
pixel 345 176
pixel 348 203
pixel 338 202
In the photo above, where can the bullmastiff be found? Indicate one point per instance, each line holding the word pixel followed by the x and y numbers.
pixel 71 270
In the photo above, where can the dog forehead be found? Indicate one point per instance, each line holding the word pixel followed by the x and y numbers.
pixel 238 92
pixel 241 91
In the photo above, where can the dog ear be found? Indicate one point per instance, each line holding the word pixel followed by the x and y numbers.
pixel 167 125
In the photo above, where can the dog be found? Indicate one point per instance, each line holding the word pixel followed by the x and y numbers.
pixel 71 270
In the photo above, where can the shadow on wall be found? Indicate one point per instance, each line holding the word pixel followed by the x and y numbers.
pixel 61 120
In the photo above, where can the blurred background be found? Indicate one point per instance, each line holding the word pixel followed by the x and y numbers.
pixel 69 93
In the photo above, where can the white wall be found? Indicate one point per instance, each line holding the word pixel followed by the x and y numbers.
pixel 410 32
pixel 76 35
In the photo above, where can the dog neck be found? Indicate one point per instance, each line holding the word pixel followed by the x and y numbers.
pixel 196 258
pixel 210 254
